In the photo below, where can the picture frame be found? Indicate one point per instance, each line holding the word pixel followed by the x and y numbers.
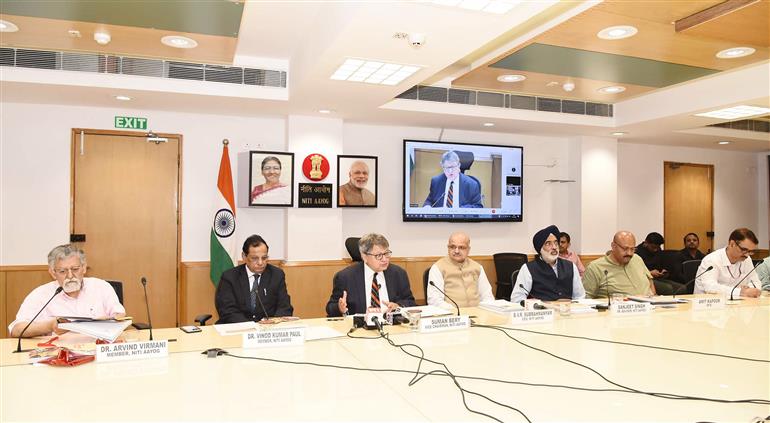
pixel 353 188
pixel 265 187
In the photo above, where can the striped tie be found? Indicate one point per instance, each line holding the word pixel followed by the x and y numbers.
pixel 450 195
pixel 375 292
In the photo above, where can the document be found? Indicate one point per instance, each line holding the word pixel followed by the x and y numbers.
pixel 500 306
pixel 657 300
pixel 100 329
pixel 430 311
pixel 235 328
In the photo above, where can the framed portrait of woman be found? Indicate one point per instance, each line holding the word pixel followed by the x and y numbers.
pixel 357 176
pixel 271 178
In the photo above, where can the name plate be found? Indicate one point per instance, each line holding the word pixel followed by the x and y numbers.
pixel 444 323
pixel 526 317
pixel 131 350
pixel 708 303
pixel 630 307
pixel 278 337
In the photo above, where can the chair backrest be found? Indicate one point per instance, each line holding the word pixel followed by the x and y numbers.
pixel 671 260
pixel 118 287
pixel 756 262
pixel 351 244
pixel 689 270
pixel 466 160
pixel 425 284
pixel 506 264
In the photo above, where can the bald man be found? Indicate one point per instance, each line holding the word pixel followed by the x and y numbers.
pixel 354 193
pixel 626 272
pixel 459 276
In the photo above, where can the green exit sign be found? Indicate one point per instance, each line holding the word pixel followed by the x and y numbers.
pixel 128 122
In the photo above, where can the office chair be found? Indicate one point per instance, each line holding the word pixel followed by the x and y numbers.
pixel 514 276
pixel 505 265
pixel 670 260
pixel 351 244
pixel 689 270
pixel 466 161
pixel 118 287
pixel 425 283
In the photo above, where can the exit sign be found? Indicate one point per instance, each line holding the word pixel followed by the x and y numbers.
pixel 127 122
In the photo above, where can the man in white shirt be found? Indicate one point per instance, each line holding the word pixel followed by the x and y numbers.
pixel 548 277
pixel 731 265
pixel 462 278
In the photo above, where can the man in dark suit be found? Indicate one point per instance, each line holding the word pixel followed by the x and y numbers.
pixel 253 290
pixel 373 283
pixel 444 188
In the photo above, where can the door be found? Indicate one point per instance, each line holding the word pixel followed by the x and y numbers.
pixel 688 204
pixel 125 200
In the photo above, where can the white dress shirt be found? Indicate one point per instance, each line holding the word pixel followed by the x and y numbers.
pixel 436 297
pixel 253 277
pixel 368 274
pixel 525 278
pixel 725 275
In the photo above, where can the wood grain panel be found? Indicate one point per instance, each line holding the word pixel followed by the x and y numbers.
pixel 17 284
pixel 688 203
pixel 196 292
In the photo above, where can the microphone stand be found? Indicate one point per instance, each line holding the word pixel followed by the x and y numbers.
pixel 147 303
pixel 691 281
pixel 602 307
pixel 445 296
pixel 741 281
pixel 18 345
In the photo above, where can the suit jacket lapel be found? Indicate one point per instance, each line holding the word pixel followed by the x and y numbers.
pixel 359 288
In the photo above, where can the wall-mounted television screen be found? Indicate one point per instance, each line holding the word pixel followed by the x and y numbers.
pixel 457 182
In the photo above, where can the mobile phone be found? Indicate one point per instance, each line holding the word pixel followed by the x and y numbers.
pixel 190 329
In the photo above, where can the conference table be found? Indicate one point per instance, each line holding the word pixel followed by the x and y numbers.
pixel 582 367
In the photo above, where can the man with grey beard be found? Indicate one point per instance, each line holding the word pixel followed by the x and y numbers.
pixel 548 277
pixel 81 296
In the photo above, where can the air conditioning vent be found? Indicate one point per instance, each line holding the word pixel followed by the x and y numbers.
pixel 753 125
pixel 98 63
pixel 513 101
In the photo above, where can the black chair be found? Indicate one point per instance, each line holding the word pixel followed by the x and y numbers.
pixel 671 260
pixel 756 262
pixel 118 287
pixel 425 284
pixel 689 271
pixel 514 276
pixel 351 244
pixel 466 161
pixel 505 265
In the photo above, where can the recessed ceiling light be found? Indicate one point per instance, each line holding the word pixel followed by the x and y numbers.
pixel 618 134
pixel 6 26
pixel 614 89
pixel 325 111
pixel 568 86
pixel 735 52
pixel 373 72
pixel 102 38
pixel 511 78
pixel 723 142
pixel 178 41
pixel 489 124
pixel 490 6
pixel 617 32
pixel 122 98
pixel 736 112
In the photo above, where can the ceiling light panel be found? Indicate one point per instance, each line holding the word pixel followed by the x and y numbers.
pixel 736 112
pixel 617 32
pixel 498 7
pixel 373 72
pixel 735 52
pixel 6 26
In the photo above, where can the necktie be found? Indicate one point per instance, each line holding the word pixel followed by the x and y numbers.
pixel 375 292
pixel 253 293
pixel 450 195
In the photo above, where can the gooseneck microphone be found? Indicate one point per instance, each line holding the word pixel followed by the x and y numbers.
pixel 264 310
pixel 147 302
pixel 445 296
pixel 743 279
pixel 537 306
pixel 606 284
pixel 18 345
pixel 691 281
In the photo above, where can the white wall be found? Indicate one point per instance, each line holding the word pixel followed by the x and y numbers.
pixel 736 187
pixel 763 202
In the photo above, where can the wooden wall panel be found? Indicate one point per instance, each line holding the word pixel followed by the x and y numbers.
pixel 196 293
pixel 18 282
pixel 310 284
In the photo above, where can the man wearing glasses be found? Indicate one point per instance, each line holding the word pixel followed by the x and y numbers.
pixel 81 296
pixel 462 278
pixel 452 189
pixel 254 290
pixel 620 271
pixel 731 264
pixel 373 283
pixel 548 277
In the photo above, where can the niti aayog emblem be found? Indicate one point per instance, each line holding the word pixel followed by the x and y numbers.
pixel 315 167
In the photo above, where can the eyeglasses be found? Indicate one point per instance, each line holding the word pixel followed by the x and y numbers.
pixel 273 168
pixel 385 255
pixel 452 167
pixel 625 249
pixel 457 247
pixel 745 250
pixel 257 259
pixel 65 272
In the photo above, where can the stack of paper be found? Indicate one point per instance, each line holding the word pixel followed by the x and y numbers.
pixel 109 330
pixel 501 306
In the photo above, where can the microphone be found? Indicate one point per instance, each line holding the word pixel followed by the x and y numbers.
pixel 18 345
pixel 692 281
pixel 606 284
pixel 536 306
pixel 446 296
pixel 743 279
pixel 264 310
pixel 147 303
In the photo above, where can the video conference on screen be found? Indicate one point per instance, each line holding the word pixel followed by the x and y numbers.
pixel 475 182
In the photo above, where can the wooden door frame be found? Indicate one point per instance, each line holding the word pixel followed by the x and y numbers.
pixel 76 133
pixel 709 166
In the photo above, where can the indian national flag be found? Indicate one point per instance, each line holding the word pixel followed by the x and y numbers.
pixel 223 247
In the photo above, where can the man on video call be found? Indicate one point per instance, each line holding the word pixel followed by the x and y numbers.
pixel 453 189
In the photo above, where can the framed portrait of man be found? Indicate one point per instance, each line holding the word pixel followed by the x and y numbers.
pixel 271 178
pixel 357 179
